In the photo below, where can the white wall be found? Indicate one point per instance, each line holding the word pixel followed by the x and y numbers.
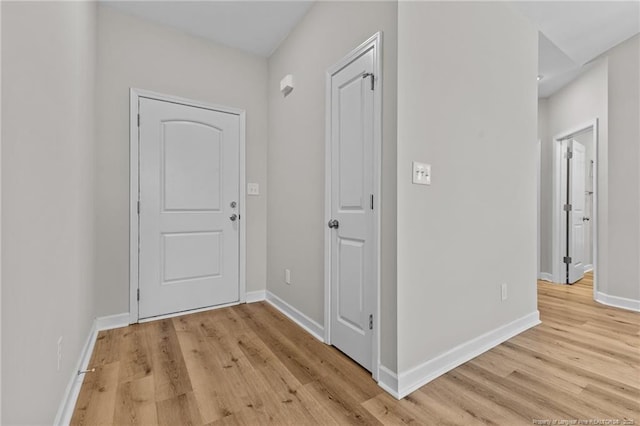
pixel 296 167
pixel 578 103
pixel 48 64
pixel 467 104
pixel 144 55
pixel 623 279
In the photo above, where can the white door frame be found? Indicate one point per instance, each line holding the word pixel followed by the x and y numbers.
pixel 134 165
pixel 558 224
pixel 374 41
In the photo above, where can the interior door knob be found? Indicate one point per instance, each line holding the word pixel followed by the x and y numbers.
pixel 333 223
pixel 586 218
pixel 233 217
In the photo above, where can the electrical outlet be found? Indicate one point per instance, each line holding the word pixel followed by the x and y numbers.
pixel 503 290
pixel 59 352
pixel 287 276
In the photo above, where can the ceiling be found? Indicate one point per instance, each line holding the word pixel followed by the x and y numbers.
pixel 256 27
pixel 572 33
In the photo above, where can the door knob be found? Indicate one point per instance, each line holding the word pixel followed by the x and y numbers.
pixel 233 217
pixel 333 223
pixel 586 218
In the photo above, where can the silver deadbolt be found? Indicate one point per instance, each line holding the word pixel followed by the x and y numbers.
pixel 233 217
pixel 333 223
pixel 233 204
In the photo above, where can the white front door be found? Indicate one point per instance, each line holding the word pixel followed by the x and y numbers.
pixel 352 186
pixel 189 190
pixel 576 215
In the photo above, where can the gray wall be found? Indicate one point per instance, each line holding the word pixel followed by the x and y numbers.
pixel 467 104
pixel 48 52
pixel 296 167
pixel 624 170
pixel 137 53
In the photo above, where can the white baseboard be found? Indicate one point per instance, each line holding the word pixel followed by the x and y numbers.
pixel 112 321
pixel 68 403
pixel 588 268
pixel 618 302
pixel 388 380
pixel 422 374
pixel 312 327
pixel 256 296
pixel 545 276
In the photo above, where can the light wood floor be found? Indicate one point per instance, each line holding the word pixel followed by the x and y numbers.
pixel 249 365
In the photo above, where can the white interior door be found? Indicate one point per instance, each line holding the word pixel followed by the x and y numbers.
pixel 576 215
pixel 352 186
pixel 188 220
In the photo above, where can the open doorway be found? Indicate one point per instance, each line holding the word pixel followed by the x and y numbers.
pixel 575 221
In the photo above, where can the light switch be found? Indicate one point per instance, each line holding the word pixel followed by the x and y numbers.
pixel 253 189
pixel 421 173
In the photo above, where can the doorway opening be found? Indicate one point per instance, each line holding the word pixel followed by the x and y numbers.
pixel 575 213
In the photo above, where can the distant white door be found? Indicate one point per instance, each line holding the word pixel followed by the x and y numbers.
pixel 576 215
pixel 189 189
pixel 352 186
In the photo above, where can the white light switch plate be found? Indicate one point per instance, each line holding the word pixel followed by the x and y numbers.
pixel 253 189
pixel 421 173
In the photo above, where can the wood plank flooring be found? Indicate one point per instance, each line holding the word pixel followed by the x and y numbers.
pixel 250 365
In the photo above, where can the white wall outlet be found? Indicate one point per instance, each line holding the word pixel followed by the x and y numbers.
pixel 287 276
pixel 421 173
pixel 253 189
pixel 503 291
pixel 59 352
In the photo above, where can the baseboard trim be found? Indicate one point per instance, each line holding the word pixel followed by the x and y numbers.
pixel 422 374
pixel 68 403
pixel 112 321
pixel 312 327
pixel 388 380
pixel 618 302
pixel 256 296
pixel 70 398
pixel 588 268
pixel 544 276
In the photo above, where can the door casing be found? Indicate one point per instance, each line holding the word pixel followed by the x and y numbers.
pixel 134 165
pixel 374 41
pixel 558 223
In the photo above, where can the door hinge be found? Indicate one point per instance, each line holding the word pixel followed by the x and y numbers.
pixel 138 119
pixel 138 295
pixel 368 74
pixel 138 207
pixel 567 207
pixel 371 201
pixel 370 321
pixel 567 260
pixel 569 154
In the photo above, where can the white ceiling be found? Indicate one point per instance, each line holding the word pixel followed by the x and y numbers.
pixel 256 27
pixel 572 33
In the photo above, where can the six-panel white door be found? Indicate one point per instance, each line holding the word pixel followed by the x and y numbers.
pixel 352 182
pixel 576 229
pixel 189 189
